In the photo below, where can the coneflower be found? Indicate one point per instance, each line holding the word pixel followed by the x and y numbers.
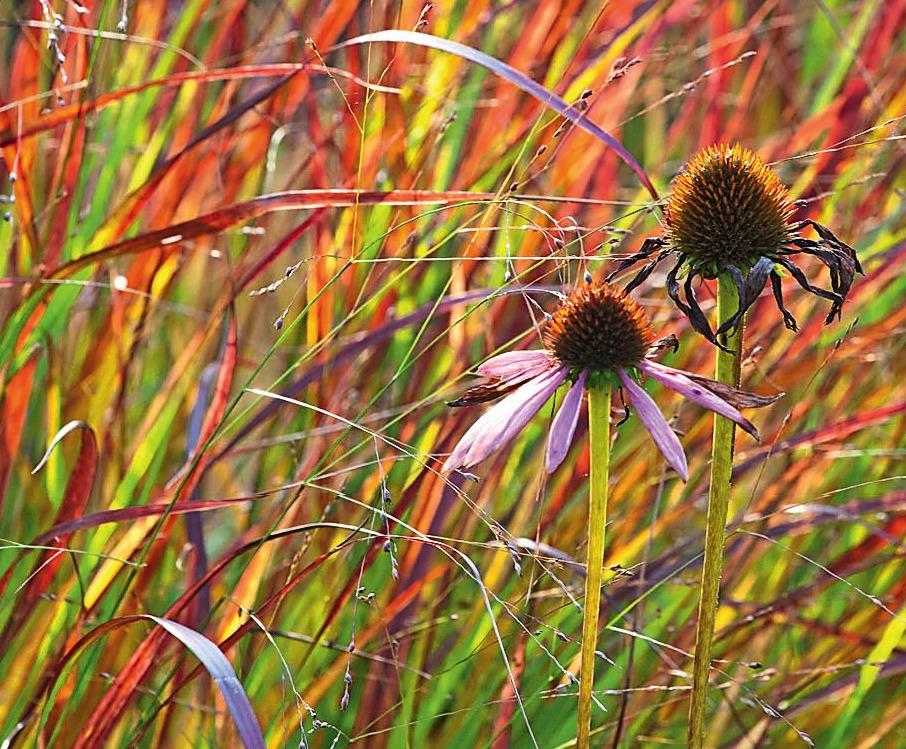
pixel 729 218
pixel 730 215
pixel 598 339
pixel 598 336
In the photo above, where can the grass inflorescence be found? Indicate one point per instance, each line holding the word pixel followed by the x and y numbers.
pixel 249 251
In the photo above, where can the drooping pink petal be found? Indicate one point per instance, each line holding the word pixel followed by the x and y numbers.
pixel 668 443
pixel 516 364
pixel 564 426
pixel 499 424
pixel 676 380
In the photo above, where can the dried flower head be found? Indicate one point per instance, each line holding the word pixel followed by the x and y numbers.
pixel 599 331
pixel 729 213
pixel 728 206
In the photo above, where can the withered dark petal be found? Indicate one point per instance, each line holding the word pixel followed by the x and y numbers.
pixel 801 279
pixel 697 316
pixel 646 271
pixel 828 236
pixel 485 393
pixel 734 396
pixel 649 247
pixel 748 288
pixel 625 408
pixel 667 342
pixel 788 320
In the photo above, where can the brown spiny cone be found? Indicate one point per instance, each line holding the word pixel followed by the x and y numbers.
pixel 728 206
pixel 598 327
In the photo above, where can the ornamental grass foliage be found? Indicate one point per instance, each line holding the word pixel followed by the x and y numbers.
pixel 250 251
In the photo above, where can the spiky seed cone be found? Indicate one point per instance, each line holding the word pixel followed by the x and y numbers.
pixel 728 206
pixel 599 327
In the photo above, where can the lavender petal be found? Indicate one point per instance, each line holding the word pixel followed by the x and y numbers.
pixel 499 424
pixel 667 442
pixel 682 384
pixel 516 364
pixel 564 426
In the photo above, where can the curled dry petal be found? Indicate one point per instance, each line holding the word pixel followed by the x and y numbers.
pixel 734 396
pixel 564 426
pixel 667 442
pixel 500 424
pixel 700 392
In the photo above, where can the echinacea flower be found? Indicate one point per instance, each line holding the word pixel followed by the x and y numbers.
pixel 598 336
pixel 730 214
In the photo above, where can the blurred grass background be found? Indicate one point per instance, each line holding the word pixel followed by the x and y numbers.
pixel 157 261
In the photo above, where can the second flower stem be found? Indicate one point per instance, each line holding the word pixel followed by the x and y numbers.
pixel 727 371
pixel 599 439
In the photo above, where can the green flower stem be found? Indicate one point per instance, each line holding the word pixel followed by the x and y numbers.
pixel 599 437
pixel 727 371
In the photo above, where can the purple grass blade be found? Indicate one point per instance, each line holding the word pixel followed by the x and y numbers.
pixel 564 426
pixel 548 98
pixel 676 380
pixel 500 424
pixel 516 364
pixel 213 659
pixel 667 442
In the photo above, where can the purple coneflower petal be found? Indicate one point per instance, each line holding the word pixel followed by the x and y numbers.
pixel 499 424
pixel 668 443
pixel 564 426
pixel 516 364
pixel 676 380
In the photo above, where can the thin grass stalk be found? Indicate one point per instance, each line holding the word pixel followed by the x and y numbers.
pixel 726 371
pixel 599 438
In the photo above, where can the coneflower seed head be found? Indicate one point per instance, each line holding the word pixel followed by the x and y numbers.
pixel 598 328
pixel 728 206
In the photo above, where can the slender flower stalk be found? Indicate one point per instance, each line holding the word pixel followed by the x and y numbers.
pixel 729 218
pixel 597 340
pixel 727 371
pixel 599 444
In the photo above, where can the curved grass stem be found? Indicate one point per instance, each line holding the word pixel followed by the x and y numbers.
pixel 599 438
pixel 727 371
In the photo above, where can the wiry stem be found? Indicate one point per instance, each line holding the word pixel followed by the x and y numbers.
pixel 727 371
pixel 599 438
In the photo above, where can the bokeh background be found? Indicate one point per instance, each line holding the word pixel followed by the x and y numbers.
pixel 207 198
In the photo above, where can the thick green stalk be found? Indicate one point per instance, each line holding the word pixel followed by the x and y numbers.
pixel 727 371
pixel 599 438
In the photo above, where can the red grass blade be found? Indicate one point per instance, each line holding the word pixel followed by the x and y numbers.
pixel 211 657
pixel 78 490
pixel 10 136
pixel 224 218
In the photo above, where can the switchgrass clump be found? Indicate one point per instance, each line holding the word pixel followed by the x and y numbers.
pixel 251 253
